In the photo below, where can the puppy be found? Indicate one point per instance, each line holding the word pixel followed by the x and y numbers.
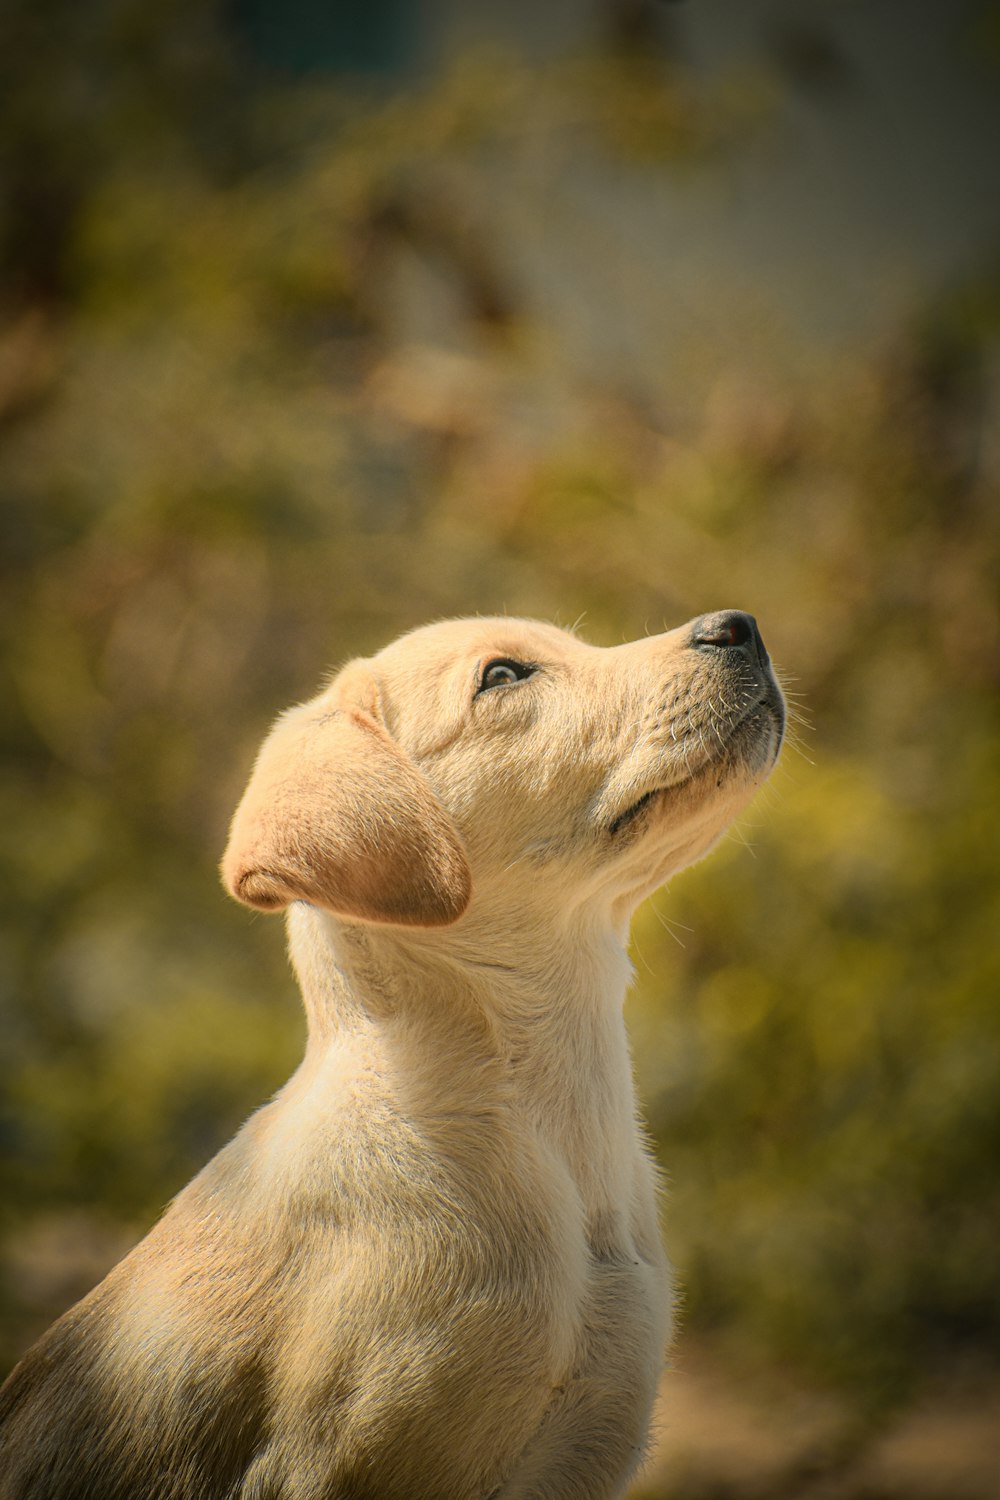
pixel 430 1268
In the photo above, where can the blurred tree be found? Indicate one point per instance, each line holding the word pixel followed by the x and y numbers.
pixel 307 36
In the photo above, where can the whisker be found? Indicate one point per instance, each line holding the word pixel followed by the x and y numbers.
pixel 670 927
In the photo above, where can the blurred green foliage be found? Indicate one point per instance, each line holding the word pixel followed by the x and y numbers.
pixel 273 387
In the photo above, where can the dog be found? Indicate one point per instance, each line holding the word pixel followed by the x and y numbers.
pixel 430 1267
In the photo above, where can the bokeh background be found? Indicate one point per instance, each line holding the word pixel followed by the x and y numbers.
pixel 320 321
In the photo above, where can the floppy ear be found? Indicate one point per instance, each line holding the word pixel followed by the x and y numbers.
pixel 337 815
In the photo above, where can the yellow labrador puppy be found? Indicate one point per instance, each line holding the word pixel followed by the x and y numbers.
pixel 429 1269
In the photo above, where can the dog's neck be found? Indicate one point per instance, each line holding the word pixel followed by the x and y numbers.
pixel 532 1022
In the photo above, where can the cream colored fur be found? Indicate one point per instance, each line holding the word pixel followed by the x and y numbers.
pixel 430 1268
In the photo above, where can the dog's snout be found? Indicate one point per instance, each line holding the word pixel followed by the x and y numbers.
pixel 727 630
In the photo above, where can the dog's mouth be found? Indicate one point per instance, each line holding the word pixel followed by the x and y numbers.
pixel 751 743
pixel 623 819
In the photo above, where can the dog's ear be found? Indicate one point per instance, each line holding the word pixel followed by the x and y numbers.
pixel 336 814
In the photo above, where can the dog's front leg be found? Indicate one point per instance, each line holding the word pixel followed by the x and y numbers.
pixel 586 1450
pixel 593 1436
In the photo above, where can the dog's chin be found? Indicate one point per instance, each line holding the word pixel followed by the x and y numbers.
pixel 738 765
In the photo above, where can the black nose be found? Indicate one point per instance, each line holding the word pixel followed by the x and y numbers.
pixel 726 630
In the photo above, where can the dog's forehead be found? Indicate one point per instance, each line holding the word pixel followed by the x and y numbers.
pixel 465 641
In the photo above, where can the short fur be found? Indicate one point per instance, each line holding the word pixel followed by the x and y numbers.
pixel 430 1268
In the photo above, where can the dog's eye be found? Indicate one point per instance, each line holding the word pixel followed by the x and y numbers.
pixel 503 671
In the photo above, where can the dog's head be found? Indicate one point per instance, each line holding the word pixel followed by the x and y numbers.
pixel 471 757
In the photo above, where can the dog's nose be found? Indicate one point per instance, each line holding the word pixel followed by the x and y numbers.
pixel 728 630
